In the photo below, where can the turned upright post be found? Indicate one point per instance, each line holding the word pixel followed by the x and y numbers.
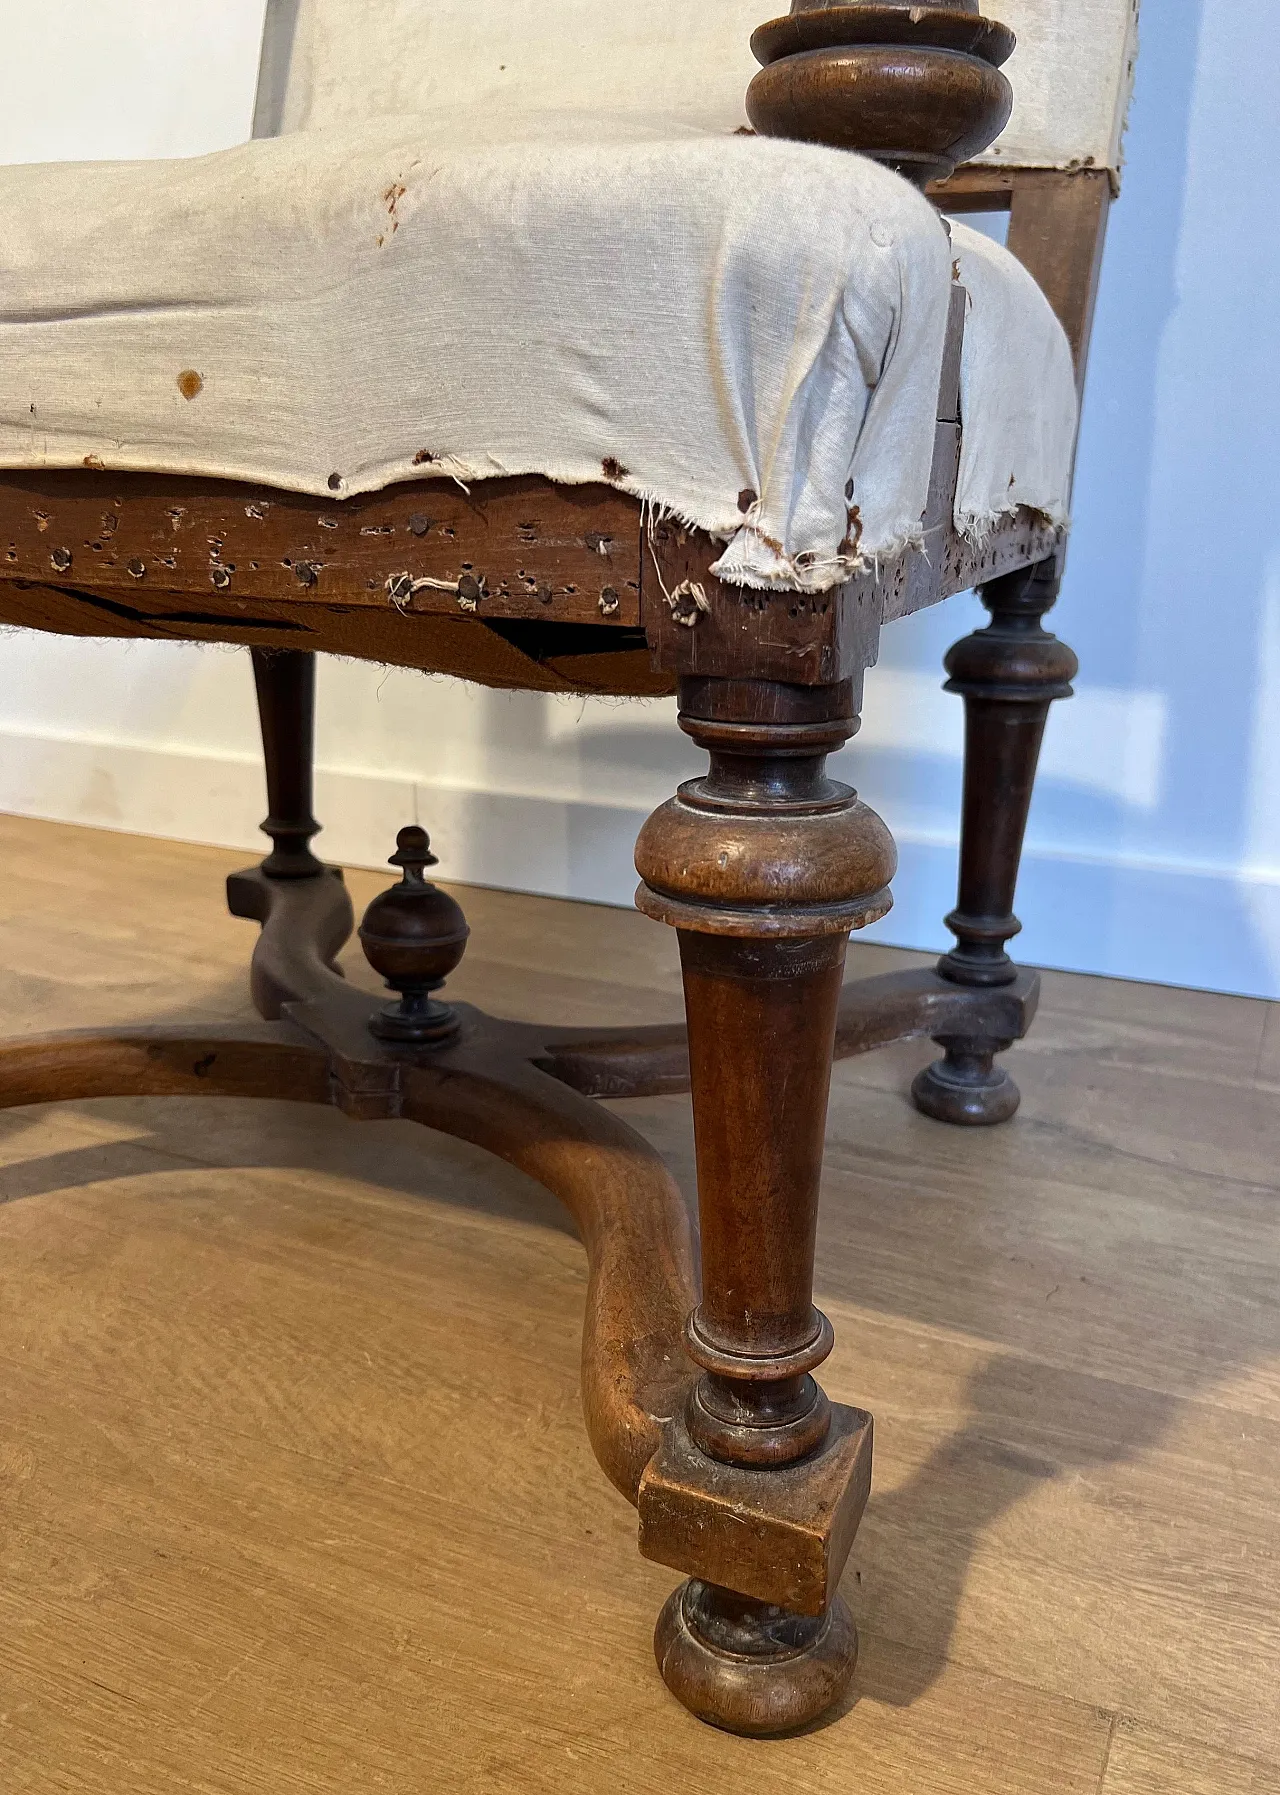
pixel 1008 674
pixel 763 866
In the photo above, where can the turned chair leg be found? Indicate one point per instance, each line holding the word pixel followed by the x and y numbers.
pixel 763 866
pixel 1008 674
pixel 286 883
pixel 286 683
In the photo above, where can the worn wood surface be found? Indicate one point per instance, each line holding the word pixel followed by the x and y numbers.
pixel 974 188
pixel 526 657
pixel 1057 230
pixel 507 548
pixel 809 640
pixel 535 586
pixel 295 1490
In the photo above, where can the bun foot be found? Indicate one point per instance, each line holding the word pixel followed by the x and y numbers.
pixel 966 1087
pixel 749 1667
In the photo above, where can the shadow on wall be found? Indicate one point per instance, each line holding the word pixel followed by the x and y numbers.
pixel 1167 597
pixel 1177 513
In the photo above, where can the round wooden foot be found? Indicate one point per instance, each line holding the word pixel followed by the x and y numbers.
pixel 966 1086
pixel 749 1667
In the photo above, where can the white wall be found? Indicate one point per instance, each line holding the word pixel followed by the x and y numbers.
pixel 96 79
pixel 1154 848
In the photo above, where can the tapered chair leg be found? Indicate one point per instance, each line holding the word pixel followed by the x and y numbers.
pixel 1008 674
pixel 301 917
pixel 763 867
pixel 286 684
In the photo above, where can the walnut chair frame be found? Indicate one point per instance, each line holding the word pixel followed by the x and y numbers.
pixel 699 1394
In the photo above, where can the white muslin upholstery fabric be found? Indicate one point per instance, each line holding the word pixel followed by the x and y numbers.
pixel 1017 391
pixel 703 316
pixel 1072 78
pixel 679 61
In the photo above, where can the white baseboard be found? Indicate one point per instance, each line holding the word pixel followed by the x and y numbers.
pixel 1208 927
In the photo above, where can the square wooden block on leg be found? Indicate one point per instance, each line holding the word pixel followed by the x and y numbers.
pixel 781 1536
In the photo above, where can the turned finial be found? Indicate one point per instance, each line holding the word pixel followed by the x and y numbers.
pixel 414 934
pixel 917 87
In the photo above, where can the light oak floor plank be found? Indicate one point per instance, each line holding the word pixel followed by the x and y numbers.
pixel 1143 1763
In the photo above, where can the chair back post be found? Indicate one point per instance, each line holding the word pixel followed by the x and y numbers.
pixel 1057 230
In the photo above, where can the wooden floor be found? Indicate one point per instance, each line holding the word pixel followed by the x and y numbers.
pixel 294 1494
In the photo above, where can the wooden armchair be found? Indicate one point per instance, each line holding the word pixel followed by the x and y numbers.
pixel 700 1398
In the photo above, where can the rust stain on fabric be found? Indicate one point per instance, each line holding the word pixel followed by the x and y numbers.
pixel 190 383
pixel 391 199
pixel 853 536
pixel 94 461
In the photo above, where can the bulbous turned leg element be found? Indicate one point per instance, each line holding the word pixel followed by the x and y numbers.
pixel 1008 673
pixel 751 1667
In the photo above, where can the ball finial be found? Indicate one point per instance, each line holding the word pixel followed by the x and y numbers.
pixel 413 853
pixel 414 934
